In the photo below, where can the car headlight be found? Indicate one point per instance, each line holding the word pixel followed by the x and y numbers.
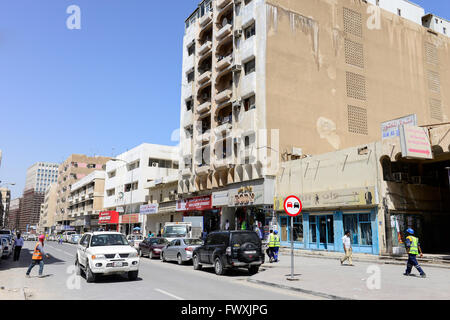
pixel 98 257
pixel 133 255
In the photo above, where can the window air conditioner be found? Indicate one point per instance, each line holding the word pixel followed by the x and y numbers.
pixel 155 164
pixel 236 68
pixel 238 33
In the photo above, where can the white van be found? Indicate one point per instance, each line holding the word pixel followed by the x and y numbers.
pixel 67 234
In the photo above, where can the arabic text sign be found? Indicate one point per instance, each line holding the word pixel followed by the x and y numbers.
pixel 149 209
pixel 390 129
pixel 415 142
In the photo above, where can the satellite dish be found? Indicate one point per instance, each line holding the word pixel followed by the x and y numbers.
pixel 224 22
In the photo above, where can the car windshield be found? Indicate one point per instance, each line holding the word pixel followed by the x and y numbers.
pixel 136 238
pixel 177 231
pixel 5 232
pixel 244 237
pixel 158 241
pixel 104 240
pixel 193 242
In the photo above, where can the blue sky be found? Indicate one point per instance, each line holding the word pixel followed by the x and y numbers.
pixel 101 90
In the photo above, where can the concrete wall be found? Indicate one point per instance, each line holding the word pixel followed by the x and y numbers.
pixel 402 65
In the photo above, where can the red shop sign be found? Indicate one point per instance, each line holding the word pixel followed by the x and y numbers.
pixel 194 204
pixel 108 217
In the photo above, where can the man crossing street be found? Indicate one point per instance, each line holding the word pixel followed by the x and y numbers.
pixel 413 249
pixel 38 257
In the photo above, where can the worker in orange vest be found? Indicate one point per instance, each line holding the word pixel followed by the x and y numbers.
pixel 38 257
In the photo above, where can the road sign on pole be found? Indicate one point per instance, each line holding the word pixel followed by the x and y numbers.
pixel 293 207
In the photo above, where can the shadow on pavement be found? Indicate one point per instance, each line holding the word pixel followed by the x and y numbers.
pixel 25 260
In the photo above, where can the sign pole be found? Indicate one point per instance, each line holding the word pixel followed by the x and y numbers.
pixel 293 207
pixel 292 248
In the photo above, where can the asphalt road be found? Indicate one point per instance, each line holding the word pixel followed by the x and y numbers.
pixel 157 281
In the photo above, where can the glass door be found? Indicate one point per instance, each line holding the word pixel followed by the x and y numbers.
pixel 326 232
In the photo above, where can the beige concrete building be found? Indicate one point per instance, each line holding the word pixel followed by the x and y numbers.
pixel 48 210
pixel 73 169
pixel 86 201
pixel 161 208
pixel 265 81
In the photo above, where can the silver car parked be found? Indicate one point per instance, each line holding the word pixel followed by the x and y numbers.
pixel 180 250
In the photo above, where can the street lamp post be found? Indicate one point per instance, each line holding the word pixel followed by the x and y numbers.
pixel 131 194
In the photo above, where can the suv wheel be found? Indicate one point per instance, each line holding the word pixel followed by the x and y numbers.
pixel 196 263
pixel 132 275
pixel 179 259
pixel 253 270
pixel 218 267
pixel 90 276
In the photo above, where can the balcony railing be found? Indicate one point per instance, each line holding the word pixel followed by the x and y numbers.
pixel 205 48
pixel 204 107
pixel 206 19
pixel 222 3
pixel 224 95
pixel 204 77
pixel 224 62
pixel 225 31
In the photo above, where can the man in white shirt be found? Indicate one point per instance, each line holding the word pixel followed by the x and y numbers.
pixel 18 244
pixel 348 248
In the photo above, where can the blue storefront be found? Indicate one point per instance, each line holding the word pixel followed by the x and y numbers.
pixel 323 231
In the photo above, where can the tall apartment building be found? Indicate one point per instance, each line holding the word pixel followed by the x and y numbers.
pixel 48 210
pixel 86 201
pixel 30 210
pixel 5 198
pixel 15 208
pixel 129 176
pixel 41 175
pixel 268 81
pixel 74 168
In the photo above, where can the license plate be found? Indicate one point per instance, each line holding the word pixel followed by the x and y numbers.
pixel 117 264
pixel 250 252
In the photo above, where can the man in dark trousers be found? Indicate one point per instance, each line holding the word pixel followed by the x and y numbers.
pixel 413 249
pixel 18 244
pixel 38 257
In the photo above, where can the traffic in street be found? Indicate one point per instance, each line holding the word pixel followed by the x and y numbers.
pixel 157 280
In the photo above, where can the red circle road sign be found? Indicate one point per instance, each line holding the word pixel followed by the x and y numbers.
pixel 293 206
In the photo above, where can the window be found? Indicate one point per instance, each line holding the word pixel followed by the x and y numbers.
pixel 312 229
pixel 250 67
pixel 250 31
pixel 159 163
pixel 250 103
pixel 131 186
pixel 110 192
pixel 112 174
pixel 298 229
pixel 190 77
pixel 399 12
pixel 189 105
pixel 360 227
pixel 191 50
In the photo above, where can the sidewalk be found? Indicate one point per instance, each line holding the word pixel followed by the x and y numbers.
pixel 326 278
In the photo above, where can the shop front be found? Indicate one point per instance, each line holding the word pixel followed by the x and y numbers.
pixel 325 218
pixel 201 207
pixel 130 223
pixel 109 220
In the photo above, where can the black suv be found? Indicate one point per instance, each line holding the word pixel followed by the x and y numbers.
pixel 230 249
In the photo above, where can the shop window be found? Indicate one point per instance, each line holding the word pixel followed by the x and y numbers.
pixel 312 229
pixel 298 229
pixel 284 222
pixel 360 227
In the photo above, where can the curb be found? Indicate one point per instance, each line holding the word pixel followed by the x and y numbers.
pixel 310 292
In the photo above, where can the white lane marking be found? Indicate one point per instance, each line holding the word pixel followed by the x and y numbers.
pixel 169 294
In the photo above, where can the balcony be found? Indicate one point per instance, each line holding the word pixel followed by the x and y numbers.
pixel 248 84
pixel 224 62
pixel 205 48
pixel 187 118
pixel 224 126
pixel 248 49
pixel 202 170
pixel 203 137
pixel 224 32
pixel 204 77
pixel 224 95
pixel 222 3
pixel 204 107
pixel 186 172
pixel 206 19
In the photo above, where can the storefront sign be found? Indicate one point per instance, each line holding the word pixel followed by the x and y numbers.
pixel 220 198
pixel 415 142
pixel 246 196
pixel 335 198
pixel 108 217
pixel 149 209
pixel 194 204
pixel 130 218
pixel 390 129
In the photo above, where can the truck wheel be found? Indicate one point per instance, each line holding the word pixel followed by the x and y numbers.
pixel 132 275
pixel 90 276
pixel 196 263
pixel 218 267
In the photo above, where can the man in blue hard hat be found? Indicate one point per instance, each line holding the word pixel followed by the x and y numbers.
pixel 413 249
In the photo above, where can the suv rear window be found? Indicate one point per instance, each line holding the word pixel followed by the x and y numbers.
pixel 244 237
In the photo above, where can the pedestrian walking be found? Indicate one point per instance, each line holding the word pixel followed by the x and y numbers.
pixel 38 257
pixel 274 246
pixel 413 249
pixel 18 244
pixel 60 240
pixel 347 248
pixel 227 225
pixel 258 231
